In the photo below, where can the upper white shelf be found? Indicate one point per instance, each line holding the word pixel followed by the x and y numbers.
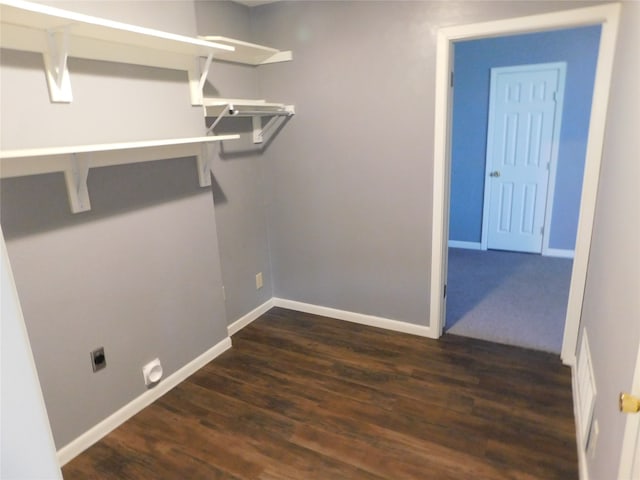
pixel 59 34
pixel 75 161
pixel 248 53
pixel 39 17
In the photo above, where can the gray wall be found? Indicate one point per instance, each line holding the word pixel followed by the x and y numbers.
pixel 139 274
pixel 346 185
pixel 611 311
pixel 350 177
pixel 238 186
pixel 26 443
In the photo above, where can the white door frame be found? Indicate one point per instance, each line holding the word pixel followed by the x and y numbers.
pixel 606 15
pixel 553 159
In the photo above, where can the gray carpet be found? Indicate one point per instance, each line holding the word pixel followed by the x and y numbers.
pixel 507 297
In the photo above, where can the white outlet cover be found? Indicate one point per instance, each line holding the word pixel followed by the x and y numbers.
pixel 152 372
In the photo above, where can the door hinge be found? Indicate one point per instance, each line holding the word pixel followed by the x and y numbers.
pixel 451 79
pixel 445 291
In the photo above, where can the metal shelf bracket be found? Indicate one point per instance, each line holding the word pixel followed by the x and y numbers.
pixel 55 63
pixel 228 109
pixel 205 166
pixel 75 176
pixel 197 78
pixel 259 130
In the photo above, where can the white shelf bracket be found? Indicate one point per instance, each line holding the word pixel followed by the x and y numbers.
pixel 222 114
pixel 75 176
pixel 55 63
pixel 205 73
pixel 205 165
pixel 197 78
pixel 259 131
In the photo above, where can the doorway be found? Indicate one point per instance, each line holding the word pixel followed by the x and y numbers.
pixel 605 15
pixel 517 85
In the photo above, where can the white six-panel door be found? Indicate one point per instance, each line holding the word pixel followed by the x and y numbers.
pixel 525 112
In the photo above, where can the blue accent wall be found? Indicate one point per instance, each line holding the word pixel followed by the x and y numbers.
pixel 473 62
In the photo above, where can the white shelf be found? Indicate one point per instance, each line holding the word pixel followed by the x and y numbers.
pixel 58 34
pixel 256 109
pixel 75 161
pixel 248 53
pixel 104 147
pixel 214 107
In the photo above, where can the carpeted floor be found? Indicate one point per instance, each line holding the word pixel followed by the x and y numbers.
pixel 507 297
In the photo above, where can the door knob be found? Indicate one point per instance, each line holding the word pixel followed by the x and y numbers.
pixel 629 403
pixel 495 173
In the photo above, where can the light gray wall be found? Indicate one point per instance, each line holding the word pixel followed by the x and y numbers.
pixel 139 274
pixel 347 190
pixel 350 177
pixel 26 443
pixel 238 186
pixel 611 311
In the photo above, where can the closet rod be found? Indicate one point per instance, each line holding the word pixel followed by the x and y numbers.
pixel 263 113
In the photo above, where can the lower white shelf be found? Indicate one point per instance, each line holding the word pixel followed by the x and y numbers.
pixel 75 161
pixel 256 109
pixel 215 107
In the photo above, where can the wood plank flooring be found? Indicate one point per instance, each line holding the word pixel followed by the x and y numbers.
pixel 305 397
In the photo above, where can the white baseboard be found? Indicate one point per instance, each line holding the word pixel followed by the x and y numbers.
pixel 583 471
pixel 250 317
pixel 467 245
pixel 360 318
pixel 95 433
pixel 558 252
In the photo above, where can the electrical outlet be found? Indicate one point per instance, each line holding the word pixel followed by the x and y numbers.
pixel 98 359
pixel 259 282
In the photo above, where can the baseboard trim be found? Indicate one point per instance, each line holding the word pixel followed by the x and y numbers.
pixel 250 317
pixel 360 318
pixel 95 433
pixel 558 252
pixel 467 245
pixel 583 472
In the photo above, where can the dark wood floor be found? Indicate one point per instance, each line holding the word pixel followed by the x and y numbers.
pixel 305 397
